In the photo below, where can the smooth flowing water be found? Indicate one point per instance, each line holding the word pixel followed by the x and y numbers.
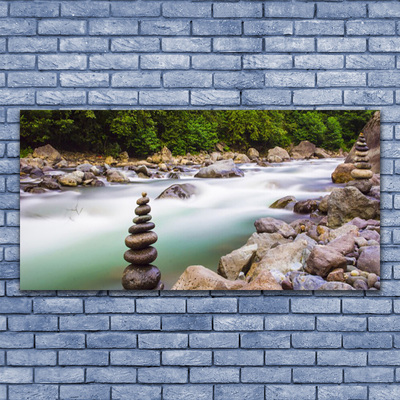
pixel 75 239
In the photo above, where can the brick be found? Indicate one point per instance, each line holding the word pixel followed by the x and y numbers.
pixel 14 61
pixel 164 61
pixel 16 340
pixel 59 375
pixel 60 340
pixel 19 26
pixel 345 392
pixel 234 392
pixel 85 9
pixel 214 97
pixel 110 375
pixel 320 340
pixel 180 9
pixel 313 375
pixel 289 323
pixel 113 27
pixel 111 340
pixel 263 305
pixel 318 27
pixel 84 323
pixel 344 11
pixel 16 375
pixel 288 10
pixel 135 44
pixel 187 79
pixel 61 27
pixel 163 341
pixel 384 357
pixel 391 323
pixel 109 96
pixel 214 340
pixel 238 357
pixel 83 357
pixel 135 357
pixel 367 341
pixel 165 28
pixel 215 62
pixel 387 44
pixel 216 27
pixel 341 45
pixel 32 45
pixel 319 61
pixel 15 306
pixel 293 357
pixel 37 392
pixel 93 391
pixel 32 79
pixel 289 392
pixel 136 392
pixel 326 306
pixel 155 98
pixel 2 84
pixel 384 78
pixel 237 45
pixel 61 61
pixel 259 97
pixel 129 9
pixel 57 306
pixel 289 79
pixel 382 10
pixel 261 375
pixel 240 323
pixel 288 44
pixel 113 61
pixel 3 9
pixel 187 323
pixel 260 340
pixel 368 375
pixel 370 28
pixel 269 27
pixel 370 62
pixel 32 322
pixel 317 96
pixel 238 10
pixel 239 80
pixel 87 45
pixel 135 322
pixel 214 375
pixel 162 375
pixel 367 306
pixel 341 323
pixel 84 79
pixel 194 45
pixel 11 253
pixel 342 358
pixel 186 357
pixel 212 305
pixel 387 134
pixel 368 97
pixel 108 306
pixel 342 78
pixel 7 201
pixel 179 392
pixel 39 9
pixel 31 357
pixel 64 97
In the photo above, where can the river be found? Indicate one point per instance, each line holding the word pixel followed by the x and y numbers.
pixel 74 239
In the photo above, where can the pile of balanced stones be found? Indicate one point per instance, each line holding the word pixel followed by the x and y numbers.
pixel 363 167
pixel 140 274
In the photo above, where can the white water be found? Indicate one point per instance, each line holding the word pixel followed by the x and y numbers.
pixel 75 239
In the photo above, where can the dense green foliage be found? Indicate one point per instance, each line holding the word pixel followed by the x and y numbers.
pixel 143 132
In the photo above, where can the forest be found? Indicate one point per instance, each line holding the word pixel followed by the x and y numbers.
pixel 144 132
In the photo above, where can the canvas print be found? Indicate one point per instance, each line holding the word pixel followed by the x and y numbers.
pixel 200 200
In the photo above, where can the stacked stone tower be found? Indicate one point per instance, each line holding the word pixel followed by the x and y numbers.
pixel 363 167
pixel 140 274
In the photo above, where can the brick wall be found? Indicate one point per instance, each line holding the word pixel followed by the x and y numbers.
pixel 195 54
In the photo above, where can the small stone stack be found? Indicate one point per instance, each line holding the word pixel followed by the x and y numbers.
pixel 363 167
pixel 140 274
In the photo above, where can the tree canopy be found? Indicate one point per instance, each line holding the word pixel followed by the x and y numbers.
pixel 143 132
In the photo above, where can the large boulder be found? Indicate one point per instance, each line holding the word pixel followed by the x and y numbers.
pixel 263 281
pixel 324 259
pixel 372 134
pixel 241 159
pixel 369 259
pixel 346 203
pixel 304 149
pixel 215 156
pixel 305 207
pixel 272 225
pixel 277 152
pixel 342 173
pixel 344 244
pixel 220 169
pixel 48 153
pixel 116 176
pixel 237 261
pixel 166 155
pixel 68 180
pixel 184 191
pixel 321 153
pixel 265 241
pixel 197 277
pixel 252 153
pixel 284 202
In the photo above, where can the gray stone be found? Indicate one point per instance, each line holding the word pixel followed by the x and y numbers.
pixel 184 191
pixel 237 261
pixel 220 169
pixel 272 225
pixel 369 259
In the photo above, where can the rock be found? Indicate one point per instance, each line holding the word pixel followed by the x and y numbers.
pixel 216 156
pixel 363 185
pixel 346 203
pixel 142 169
pixel 141 277
pixel 272 225
pixel 68 180
pixel 197 277
pixel 305 207
pixel 183 191
pixel 335 286
pixel 229 155
pixel 34 189
pixel 301 225
pixel 166 155
pixel 141 257
pixel 141 240
pixel 97 183
pixel 265 241
pixel 372 135
pixel 310 241
pixel 220 147
pixel 61 164
pixel 303 281
pixel 274 159
pixel 50 183
pixel 283 202
pixel 375 192
pixel 361 242
pixel 241 159
pixel 114 175
pixel 342 173
pixel 324 259
pixel 173 175
pixel 278 152
pixel 47 152
pixel 370 234
pixel 343 230
pixel 369 259
pixel 110 160
pixel 252 153
pixel 124 156
pixel 237 261
pixel 220 169
pixel 36 173
pixel 163 167
pixel 336 275
pixel 321 153
pixel 344 244
pixel 263 281
pixel 361 174
pixel 34 162
pixel 323 204
pixel 358 222
pixel 84 167
pixel 360 284
pixel 304 149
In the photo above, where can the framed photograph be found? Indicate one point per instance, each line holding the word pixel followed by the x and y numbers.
pixel 200 200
